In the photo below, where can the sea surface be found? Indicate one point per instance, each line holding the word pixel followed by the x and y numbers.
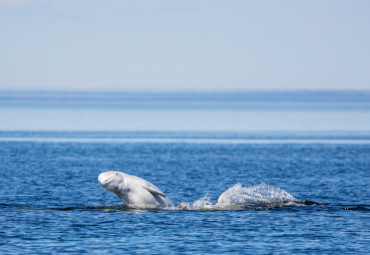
pixel 296 164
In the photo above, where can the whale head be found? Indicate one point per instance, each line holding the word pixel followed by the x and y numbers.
pixel 111 180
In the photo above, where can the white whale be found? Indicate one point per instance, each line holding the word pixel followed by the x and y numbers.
pixel 135 192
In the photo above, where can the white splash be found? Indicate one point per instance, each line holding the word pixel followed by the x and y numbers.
pixel 255 195
pixel 239 197
pixel 203 203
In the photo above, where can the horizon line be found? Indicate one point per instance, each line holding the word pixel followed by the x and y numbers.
pixel 181 91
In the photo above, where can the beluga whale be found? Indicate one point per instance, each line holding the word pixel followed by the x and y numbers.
pixel 134 191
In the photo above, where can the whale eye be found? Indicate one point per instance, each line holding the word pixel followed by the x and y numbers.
pixel 116 173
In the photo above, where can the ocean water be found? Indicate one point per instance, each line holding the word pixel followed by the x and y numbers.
pixel 295 165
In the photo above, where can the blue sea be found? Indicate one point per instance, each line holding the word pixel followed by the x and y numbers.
pixel 296 162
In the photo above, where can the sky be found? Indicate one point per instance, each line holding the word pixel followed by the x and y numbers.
pixel 165 45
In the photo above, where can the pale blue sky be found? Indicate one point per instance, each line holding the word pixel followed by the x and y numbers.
pixel 184 45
